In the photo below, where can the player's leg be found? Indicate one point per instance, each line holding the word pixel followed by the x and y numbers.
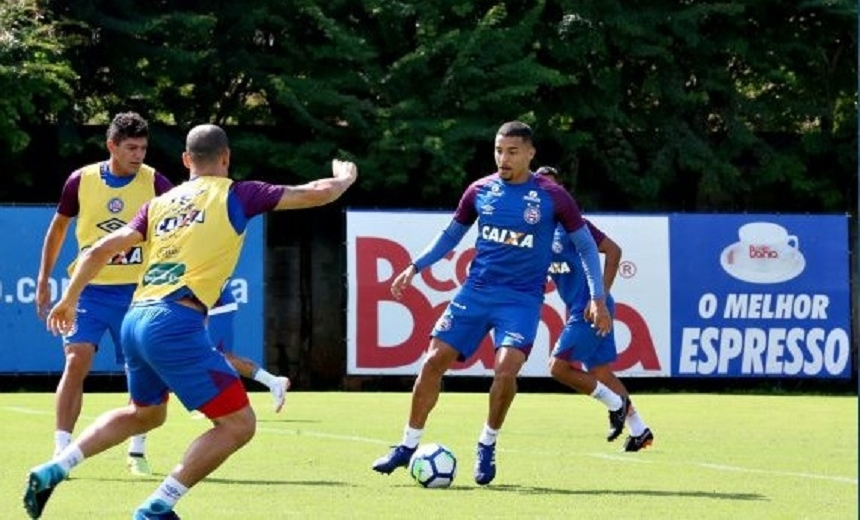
pixel 463 324
pixel 69 396
pixel 221 332
pixel 514 319
pixel 110 429
pixel 641 435
pixel 202 379
pixel 580 343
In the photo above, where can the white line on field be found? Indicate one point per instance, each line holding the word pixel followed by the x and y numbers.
pixel 606 456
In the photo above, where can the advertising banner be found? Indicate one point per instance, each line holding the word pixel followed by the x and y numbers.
pixel 760 295
pixel 387 336
pixel 27 347
pixel 696 296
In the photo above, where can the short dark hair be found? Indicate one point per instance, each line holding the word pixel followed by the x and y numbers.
pixel 205 143
pixel 516 129
pixel 127 125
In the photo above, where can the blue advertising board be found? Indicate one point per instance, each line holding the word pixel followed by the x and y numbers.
pixel 27 347
pixel 760 296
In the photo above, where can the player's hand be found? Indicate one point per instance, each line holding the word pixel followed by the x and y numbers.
pixel 402 281
pixel 345 170
pixel 598 314
pixel 61 319
pixel 43 299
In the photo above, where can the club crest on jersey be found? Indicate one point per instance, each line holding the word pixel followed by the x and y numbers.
pixel 507 237
pixel 115 205
pixel 532 215
pixel 557 246
pixel 443 323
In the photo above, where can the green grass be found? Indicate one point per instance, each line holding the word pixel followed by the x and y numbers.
pixel 715 456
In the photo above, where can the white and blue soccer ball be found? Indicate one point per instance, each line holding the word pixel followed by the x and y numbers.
pixel 433 466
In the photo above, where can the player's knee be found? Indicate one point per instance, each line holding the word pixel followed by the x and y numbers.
pixel 243 427
pixel 150 417
pixel 557 367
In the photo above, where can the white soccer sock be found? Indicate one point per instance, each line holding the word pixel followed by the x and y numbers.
pixel 635 423
pixel 411 436
pixel 70 457
pixel 169 492
pixel 265 377
pixel 488 436
pixel 61 440
pixel 137 445
pixel 606 396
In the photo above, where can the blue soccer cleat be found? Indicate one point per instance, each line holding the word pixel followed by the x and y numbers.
pixel 485 465
pixel 155 510
pixel 40 484
pixel 398 457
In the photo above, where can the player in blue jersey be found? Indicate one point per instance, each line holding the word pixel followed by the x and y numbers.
pixel 100 196
pixel 517 213
pixel 579 341
pixel 220 326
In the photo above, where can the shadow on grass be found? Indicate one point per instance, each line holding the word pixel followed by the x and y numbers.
pixel 320 483
pixel 530 490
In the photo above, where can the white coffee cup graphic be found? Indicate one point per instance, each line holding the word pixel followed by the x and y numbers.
pixel 766 247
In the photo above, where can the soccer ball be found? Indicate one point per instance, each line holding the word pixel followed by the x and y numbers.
pixel 433 466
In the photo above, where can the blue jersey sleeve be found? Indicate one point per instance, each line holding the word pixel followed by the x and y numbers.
pixel 444 242
pixel 587 249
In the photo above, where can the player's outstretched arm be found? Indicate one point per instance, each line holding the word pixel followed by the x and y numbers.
pixel 61 319
pixel 320 191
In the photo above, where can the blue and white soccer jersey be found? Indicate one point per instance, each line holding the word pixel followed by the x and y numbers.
pixel 579 341
pixel 101 309
pixel 504 289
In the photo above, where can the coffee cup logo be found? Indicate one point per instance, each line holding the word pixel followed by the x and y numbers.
pixel 764 253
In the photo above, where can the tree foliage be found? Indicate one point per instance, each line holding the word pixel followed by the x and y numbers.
pixel 693 106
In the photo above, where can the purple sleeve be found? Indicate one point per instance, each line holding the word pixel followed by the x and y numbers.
pixel 162 184
pixel 140 222
pixel 257 197
pixel 466 213
pixel 596 233
pixel 69 205
pixel 567 212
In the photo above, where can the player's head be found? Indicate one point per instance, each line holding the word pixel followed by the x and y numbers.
pixel 514 151
pixel 207 151
pixel 127 140
pixel 550 173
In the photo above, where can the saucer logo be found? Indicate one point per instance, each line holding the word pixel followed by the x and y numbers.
pixel 765 253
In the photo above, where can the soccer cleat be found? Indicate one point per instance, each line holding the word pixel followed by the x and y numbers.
pixel 155 510
pixel 639 442
pixel 40 484
pixel 617 418
pixel 138 465
pixel 398 457
pixel 279 392
pixel 485 465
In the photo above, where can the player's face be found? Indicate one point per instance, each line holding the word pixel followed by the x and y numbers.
pixel 513 156
pixel 127 156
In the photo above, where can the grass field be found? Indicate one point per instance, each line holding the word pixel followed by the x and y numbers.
pixel 715 456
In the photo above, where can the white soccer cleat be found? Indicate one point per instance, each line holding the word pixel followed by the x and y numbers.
pixel 279 392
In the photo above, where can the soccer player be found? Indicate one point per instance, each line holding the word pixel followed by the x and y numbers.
pixel 517 213
pixel 102 196
pixel 579 342
pixel 220 327
pixel 195 233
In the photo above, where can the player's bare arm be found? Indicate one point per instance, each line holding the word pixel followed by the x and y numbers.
pixel 61 319
pixel 320 191
pixel 402 281
pixel 54 238
pixel 611 260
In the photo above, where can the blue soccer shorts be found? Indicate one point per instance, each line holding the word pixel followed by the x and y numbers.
pixel 579 341
pixel 101 309
pixel 167 348
pixel 513 317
